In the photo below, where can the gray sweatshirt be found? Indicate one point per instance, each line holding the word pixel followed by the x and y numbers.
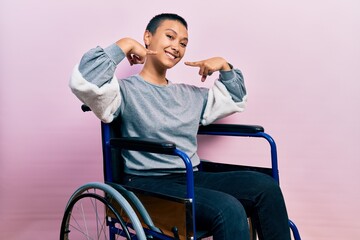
pixel 172 112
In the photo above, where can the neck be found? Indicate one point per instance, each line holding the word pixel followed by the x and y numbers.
pixel 153 74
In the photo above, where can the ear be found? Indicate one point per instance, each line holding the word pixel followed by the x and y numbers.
pixel 147 38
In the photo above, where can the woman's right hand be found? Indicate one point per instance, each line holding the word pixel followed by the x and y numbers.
pixel 134 51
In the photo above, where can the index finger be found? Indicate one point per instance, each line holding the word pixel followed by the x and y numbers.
pixel 151 52
pixel 192 64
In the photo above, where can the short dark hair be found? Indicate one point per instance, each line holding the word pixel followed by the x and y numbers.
pixel 157 20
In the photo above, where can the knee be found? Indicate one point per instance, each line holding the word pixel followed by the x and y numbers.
pixel 229 211
pixel 230 219
pixel 269 187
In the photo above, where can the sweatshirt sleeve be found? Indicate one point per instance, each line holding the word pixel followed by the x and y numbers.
pixel 227 96
pixel 94 83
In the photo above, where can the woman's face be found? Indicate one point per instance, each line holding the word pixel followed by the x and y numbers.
pixel 169 40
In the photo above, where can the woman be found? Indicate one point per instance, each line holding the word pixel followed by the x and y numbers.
pixel 151 106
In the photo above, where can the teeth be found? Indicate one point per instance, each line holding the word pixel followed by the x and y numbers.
pixel 171 56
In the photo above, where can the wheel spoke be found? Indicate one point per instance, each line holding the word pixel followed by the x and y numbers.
pixel 92 216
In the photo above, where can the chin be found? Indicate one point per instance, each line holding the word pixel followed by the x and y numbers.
pixel 170 65
pixel 174 63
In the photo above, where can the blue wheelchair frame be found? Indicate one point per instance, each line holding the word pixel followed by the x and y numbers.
pixel 155 146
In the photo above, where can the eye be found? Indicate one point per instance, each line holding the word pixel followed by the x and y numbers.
pixel 183 44
pixel 170 36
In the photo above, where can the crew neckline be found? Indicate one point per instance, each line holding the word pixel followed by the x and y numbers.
pixel 169 83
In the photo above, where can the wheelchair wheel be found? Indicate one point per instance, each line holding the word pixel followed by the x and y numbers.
pixel 97 211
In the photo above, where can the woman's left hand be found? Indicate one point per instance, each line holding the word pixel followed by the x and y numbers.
pixel 209 66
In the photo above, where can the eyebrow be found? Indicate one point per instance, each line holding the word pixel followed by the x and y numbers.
pixel 185 38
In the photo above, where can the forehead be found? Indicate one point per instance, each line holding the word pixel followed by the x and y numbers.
pixel 178 27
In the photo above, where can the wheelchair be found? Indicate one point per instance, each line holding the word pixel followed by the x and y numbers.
pixel 110 210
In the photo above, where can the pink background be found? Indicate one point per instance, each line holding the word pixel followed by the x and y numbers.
pixel 301 61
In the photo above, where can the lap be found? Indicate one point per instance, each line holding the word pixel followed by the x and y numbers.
pixel 209 203
pixel 245 186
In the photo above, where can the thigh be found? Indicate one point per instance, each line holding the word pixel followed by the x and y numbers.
pixel 208 201
pixel 246 186
pixel 243 185
pixel 174 185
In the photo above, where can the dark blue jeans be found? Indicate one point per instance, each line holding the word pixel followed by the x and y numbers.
pixel 223 201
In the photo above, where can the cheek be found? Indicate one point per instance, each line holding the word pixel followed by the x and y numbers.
pixel 182 51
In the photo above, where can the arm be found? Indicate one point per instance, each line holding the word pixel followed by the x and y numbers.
pixel 98 65
pixel 225 97
pixel 93 80
pixel 228 95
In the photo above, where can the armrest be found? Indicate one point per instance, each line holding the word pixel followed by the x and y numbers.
pixel 244 130
pixel 158 146
pixel 144 144
pixel 229 128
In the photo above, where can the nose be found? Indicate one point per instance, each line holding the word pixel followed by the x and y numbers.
pixel 175 47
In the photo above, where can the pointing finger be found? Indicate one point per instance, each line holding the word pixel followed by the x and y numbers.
pixel 151 52
pixel 192 64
